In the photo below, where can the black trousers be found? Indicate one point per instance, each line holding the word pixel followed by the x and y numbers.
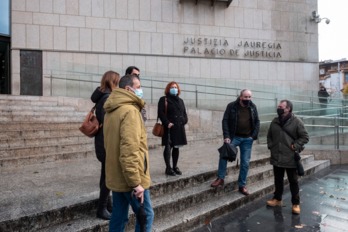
pixel 104 191
pixel 279 184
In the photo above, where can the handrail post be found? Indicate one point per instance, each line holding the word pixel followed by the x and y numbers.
pixel 196 97
pixel 51 84
pixel 276 102
pixel 151 92
pixel 337 137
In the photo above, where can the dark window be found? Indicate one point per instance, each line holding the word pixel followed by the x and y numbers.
pixel 5 87
pixel 31 73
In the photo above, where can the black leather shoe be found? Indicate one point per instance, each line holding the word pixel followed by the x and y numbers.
pixel 177 171
pixel 103 214
pixel 243 190
pixel 170 172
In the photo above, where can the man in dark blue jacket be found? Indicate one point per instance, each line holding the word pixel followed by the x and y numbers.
pixel 240 126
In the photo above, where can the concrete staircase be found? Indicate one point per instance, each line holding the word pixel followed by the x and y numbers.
pixel 62 195
pixel 45 129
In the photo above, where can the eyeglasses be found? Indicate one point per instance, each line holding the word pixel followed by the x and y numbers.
pixel 136 74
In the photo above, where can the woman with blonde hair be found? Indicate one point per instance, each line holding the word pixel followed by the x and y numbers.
pixel 108 83
pixel 172 112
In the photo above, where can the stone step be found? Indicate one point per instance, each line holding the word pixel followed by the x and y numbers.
pixel 31 152
pixel 62 140
pixel 226 200
pixel 77 117
pixel 22 141
pixel 80 103
pixel 69 203
pixel 15 108
pixel 192 202
pixel 35 126
pixel 19 152
pixel 27 100
pixel 39 134
pixel 168 196
pixel 45 158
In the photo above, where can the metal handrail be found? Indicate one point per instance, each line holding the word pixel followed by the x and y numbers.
pixel 310 111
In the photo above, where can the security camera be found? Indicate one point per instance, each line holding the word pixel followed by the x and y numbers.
pixel 327 21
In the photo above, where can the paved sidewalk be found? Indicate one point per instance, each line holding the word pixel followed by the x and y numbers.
pixel 324 207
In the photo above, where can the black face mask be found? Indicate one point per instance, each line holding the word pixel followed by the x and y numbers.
pixel 246 102
pixel 280 112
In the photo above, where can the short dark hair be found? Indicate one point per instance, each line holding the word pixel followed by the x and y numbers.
pixel 130 69
pixel 127 80
pixel 288 104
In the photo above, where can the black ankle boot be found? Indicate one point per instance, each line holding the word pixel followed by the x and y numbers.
pixel 103 213
pixel 170 172
pixel 177 171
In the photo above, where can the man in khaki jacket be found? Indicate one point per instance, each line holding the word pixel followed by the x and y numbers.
pixel 127 158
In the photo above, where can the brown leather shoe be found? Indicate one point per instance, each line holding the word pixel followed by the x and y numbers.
pixel 274 202
pixel 218 182
pixel 296 209
pixel 243 191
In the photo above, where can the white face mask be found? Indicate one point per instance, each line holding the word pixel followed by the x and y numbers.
pixel 138 92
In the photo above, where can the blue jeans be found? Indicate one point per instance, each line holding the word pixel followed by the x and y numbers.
pixel 245 145
pixel 120 208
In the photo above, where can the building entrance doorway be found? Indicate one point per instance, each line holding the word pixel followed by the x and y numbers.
pixel 5 82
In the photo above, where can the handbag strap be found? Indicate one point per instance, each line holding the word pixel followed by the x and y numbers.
pixel 287 132
pixel 165 106
pixel 93 108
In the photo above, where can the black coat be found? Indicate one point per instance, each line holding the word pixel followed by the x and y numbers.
pixel 99 99
pixel 323 95
pixel 176 114
pixel 230 120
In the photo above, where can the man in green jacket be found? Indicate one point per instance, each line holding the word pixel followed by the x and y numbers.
pixel 286 135
pixel 127 157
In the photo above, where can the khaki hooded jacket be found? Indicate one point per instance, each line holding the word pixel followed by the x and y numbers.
pixel 125 141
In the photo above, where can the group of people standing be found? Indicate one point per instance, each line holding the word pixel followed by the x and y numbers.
pixel 121 144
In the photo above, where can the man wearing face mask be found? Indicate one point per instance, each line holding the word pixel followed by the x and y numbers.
pixel 133 70
pixel 127 158
pixel 280 140
pixel 240 126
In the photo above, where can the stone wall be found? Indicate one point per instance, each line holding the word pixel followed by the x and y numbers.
pixel 262 44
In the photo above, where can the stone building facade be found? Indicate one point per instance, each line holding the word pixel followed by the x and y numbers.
pixel 66 45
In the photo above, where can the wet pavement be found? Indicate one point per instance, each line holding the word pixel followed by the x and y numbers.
pixel 324 208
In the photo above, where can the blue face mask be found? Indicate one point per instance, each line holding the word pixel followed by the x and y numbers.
pixel 173 91
pixel 138 92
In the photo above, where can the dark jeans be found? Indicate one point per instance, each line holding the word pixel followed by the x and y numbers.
pixel 279 184
pixel 120 212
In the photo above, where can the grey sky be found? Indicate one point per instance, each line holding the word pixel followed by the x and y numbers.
pixel 332 37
